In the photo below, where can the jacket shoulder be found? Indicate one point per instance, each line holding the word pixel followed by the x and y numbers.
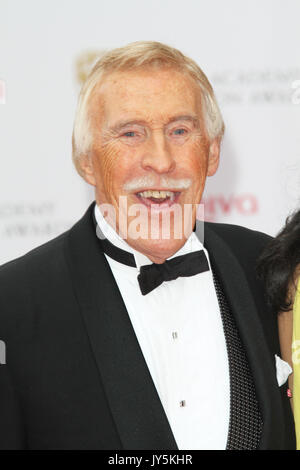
pixel 43 253
pixel 244 242
pixel 39 272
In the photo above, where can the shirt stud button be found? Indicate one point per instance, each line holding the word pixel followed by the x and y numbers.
pixel 174 335
pixel 182 403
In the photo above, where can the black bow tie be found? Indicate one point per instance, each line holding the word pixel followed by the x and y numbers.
pixel 153 275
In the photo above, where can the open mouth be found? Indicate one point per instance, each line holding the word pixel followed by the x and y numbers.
pixel 158 199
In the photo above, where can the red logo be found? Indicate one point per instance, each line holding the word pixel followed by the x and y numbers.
pixel 220 205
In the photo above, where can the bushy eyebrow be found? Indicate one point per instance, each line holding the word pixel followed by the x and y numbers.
pixel 193 119
pixel 123 123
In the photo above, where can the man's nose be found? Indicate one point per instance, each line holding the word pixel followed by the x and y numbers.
pixel 157 154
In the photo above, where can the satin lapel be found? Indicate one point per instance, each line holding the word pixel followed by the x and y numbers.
pixel 260 358
pixel 131 394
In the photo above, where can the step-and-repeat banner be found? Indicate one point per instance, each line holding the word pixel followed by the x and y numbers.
pixel 250 51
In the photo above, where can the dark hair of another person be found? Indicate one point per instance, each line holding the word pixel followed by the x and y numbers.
pixel 278 263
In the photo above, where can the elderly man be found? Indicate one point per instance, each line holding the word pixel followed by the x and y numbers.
pixel 135 329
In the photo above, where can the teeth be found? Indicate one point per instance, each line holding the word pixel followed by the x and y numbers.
pixel 157 194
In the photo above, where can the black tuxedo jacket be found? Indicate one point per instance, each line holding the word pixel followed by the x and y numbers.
pixel 75 377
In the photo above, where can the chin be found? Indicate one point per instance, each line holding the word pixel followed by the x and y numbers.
pixel 159 249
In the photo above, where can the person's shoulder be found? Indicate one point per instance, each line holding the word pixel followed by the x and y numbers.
pixel 232 232
pixel 32 275
pixel 40 254
pixel 38 269
pixel 48 254
pixel 242 241
pixel 29 273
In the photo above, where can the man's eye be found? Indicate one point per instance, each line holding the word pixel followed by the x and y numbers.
pixel 180 131
pixel 129 134
pixel 132 137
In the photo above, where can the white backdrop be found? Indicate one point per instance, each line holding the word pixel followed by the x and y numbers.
pixel 249 49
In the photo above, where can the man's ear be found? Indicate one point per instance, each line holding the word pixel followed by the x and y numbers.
pixel 87 168
pixel 214 157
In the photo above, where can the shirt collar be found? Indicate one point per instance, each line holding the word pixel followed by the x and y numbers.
pixel 192 243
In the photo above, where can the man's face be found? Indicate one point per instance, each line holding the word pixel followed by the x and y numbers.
pixel 148 135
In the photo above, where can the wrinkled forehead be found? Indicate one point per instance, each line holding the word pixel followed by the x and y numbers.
pixel 145 92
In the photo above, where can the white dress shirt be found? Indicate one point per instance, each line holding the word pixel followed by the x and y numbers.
pixel 180 332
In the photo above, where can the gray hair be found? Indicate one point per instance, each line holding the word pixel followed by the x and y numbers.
pixel 133 56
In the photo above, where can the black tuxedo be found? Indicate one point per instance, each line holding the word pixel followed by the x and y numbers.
pixel 75 377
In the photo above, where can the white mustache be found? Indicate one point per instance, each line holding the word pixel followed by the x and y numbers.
pixel 147 182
